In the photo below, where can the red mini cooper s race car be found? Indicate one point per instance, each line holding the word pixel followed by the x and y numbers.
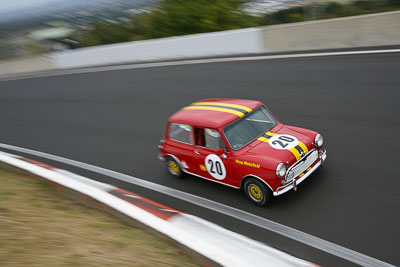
pixel 241 144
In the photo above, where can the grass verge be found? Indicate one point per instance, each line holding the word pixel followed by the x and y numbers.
pixel 40 227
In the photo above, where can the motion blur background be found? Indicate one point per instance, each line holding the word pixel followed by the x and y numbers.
pixel 114 116
pixel 33 27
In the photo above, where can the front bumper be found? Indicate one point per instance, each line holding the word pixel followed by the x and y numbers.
pixel 296 181
pixel 160 157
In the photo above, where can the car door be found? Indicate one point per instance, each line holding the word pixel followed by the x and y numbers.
pixel 214 161
pixel 181 145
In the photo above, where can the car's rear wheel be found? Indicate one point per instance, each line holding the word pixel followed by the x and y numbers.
pixel 174 168
pixel 257 192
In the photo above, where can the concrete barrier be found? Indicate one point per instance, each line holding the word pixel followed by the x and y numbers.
pixel 235 42
pixel 380 29
pixel 33 64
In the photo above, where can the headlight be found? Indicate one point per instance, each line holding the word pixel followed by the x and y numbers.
pixel 319 140
pixel 280 170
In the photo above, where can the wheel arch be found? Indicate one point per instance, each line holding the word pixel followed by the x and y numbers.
pixel 176 159
pixel 256 177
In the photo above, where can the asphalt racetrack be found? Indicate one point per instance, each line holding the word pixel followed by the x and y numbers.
pixel 115 119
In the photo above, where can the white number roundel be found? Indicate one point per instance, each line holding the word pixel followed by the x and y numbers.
pixel 215 167
pixel 283 141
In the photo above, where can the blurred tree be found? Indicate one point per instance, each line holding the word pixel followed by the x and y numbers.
pixel 295 14
pixel 179 17
pixel 4 50
pixel 365 5
pixel 395 3
pixel 105 33
pixel 333 8
pixel 330 10
pixel 172 18
pixel 34 48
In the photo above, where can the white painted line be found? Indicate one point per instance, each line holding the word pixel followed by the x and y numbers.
pixel 131 196
pixel 187 62
pixel 315 242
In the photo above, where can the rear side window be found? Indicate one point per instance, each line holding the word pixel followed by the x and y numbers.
pixel 181 133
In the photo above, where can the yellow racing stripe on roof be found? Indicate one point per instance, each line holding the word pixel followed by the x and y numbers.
pixel 304 147
pixel 266 140
pixel 224 105
pixel 295 152
pixel 238 113
pixel 271 134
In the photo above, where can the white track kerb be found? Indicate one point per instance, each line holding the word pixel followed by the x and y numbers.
pixel 212 241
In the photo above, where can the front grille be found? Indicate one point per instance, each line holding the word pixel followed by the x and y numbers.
pixel 302 165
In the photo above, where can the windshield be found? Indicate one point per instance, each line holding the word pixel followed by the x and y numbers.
pixel 247 129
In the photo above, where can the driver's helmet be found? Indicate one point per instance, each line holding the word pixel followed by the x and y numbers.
pixel 212 133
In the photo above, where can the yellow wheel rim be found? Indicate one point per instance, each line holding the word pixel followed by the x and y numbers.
pixel 255 191
pixel 173 167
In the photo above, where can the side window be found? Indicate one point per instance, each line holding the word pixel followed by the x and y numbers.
pixel 209 138
pixel 181 133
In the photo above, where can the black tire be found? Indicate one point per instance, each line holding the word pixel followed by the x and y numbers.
pixel 173 167
pixel 257 192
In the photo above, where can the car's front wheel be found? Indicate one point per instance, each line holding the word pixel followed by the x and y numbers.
pixel 257 192
pixel 174 168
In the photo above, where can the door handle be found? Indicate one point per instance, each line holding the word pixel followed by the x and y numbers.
pixel 197 152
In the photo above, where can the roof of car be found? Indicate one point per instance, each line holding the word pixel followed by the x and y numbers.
pixel 214 113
